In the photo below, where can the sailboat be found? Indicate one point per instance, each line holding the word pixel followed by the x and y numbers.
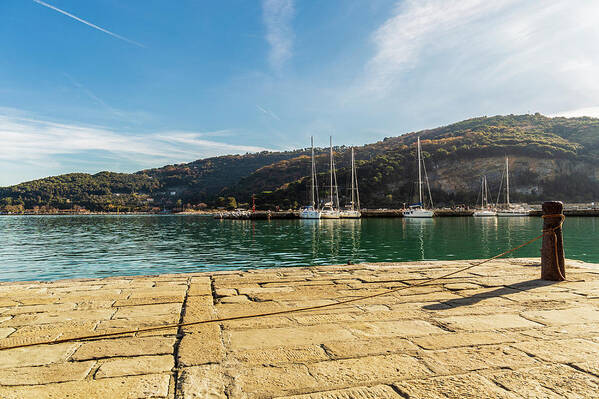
pixel 418 210
pixel 329 210
pixel 352 211
pixel 485 208
pixel 311 211
pixel 510 210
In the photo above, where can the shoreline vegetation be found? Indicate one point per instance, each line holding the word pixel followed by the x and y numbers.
pixel 569 210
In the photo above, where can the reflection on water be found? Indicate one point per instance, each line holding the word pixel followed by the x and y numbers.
pixel 488 234
pixel 51 247
pixel 330 238
pixel 421 231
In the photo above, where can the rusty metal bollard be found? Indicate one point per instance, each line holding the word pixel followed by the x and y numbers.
pixel 552 252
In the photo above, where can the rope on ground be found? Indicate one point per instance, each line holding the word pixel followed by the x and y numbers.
pixel 286 311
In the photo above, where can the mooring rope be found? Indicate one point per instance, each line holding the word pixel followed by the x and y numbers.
pixel 295 310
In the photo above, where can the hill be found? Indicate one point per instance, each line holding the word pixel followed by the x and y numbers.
pixel 549 158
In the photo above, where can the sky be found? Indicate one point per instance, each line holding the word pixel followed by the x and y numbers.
pixel 94 85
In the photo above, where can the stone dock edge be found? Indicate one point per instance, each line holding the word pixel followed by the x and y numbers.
pixel 494 331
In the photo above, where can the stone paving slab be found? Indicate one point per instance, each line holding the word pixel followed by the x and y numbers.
pixel 495 331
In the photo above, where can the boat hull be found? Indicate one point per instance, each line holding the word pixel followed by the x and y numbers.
pixel 330 215
pixel 418 213
pixel 515 213
pixel 479 214
pixel 350 215
pixel 310 215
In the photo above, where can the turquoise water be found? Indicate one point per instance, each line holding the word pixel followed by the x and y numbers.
pixel 54 247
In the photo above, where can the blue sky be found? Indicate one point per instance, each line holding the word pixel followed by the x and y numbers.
pixel 112 85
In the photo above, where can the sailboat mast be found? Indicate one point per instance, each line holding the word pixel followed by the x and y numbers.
pixel 482 192
pixel 312 173
pixel 507 182
pixel 486 191
pixel 356 181
pixel 335 180
pixel 353 177
pixel 419 174
pixel 331 167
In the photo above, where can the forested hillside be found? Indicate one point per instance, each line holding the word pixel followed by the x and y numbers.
pixel 554 158
pixel 546 155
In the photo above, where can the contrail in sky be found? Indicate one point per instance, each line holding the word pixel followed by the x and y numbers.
pixel 89 24
pixel 268 112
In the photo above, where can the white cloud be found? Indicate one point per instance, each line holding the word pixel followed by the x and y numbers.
pixel 38 142
pixel 415 26
pixel 278 15
pixel 434 62
pixel 588 111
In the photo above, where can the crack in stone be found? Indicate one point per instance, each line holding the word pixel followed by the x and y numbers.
pixel 228 387
pixel 420 357
pixel 550 389
pixel 500 385
pixel 229 379
pixel 327 351
pixel 533 320
pixel 442 326
pixel 147 304
pixel 178 340
pixel 529 354
pixel 213 291
pixel 256 299
pixel 116 357
pixel 93 371
pixel 575 367
pixel 399 391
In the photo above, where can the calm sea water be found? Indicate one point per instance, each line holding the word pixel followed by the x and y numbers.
pixel 54 247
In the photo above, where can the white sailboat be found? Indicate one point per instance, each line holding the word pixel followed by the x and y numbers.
pixel 352 210
pixel 485 209
pixel 311 211
pixel 510 210
pixel 329 210
pixel 418 210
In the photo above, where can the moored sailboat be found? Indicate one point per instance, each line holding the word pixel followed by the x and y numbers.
pixel 352 210
pixel 330 210
pixel 311 211
pixel 511 210
pixel 418 210
pixel 485 208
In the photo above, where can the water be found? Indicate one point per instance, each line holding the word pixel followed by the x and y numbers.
pixel 54 247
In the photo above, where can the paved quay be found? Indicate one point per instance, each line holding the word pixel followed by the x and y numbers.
pixel 495 331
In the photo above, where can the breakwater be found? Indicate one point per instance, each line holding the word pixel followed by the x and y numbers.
pixel 572 212
pixel 257 215
pixel 366 213
pixel 381 213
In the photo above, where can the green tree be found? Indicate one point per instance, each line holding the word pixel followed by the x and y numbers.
pixel 231 203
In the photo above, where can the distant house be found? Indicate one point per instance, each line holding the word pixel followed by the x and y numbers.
pixel 173 193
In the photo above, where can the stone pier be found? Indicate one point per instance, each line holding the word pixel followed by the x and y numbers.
pixel 495 331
